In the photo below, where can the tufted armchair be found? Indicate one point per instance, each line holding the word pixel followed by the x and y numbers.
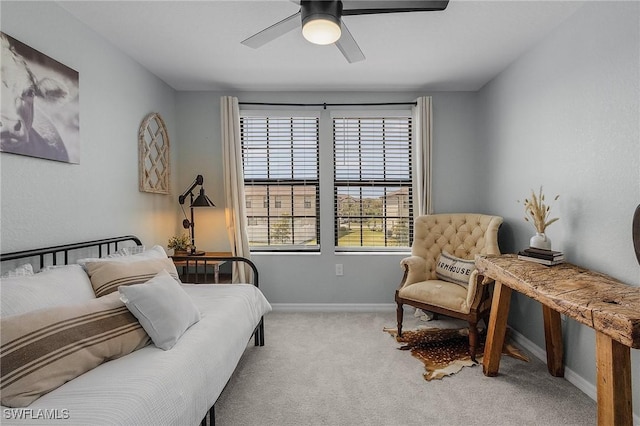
pixel 463 236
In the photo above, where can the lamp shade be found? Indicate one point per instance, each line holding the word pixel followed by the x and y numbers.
pixel 202 200
pixel 321 21
pixel 321 31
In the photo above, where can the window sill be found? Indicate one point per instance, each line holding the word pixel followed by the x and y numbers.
pixel 285 253
pixel 337 253
pixel 374 253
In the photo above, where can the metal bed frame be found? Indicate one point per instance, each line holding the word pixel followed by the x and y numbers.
pixel 52 256
pixel 105 244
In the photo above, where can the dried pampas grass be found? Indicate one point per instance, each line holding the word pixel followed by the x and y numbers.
pixel 537 212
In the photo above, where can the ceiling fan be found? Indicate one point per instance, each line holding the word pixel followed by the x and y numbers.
pixel 322 23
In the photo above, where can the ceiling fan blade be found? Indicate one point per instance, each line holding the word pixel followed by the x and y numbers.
pixel 369 7
pixel 348 46
pixel 273 32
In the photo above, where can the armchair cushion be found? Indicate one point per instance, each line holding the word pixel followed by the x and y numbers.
pixel 453 269
pixel 440 293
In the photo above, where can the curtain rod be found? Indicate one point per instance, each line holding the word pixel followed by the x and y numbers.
pixel 325 104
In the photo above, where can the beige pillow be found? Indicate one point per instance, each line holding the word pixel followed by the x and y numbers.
pixel 41 350
pixel 453 269
pixel 106 277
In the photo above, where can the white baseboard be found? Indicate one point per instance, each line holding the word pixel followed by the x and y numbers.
pixel 572 377
pixel 334 307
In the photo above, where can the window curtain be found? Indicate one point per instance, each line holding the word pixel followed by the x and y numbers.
pixel 422 140
pixel 235 213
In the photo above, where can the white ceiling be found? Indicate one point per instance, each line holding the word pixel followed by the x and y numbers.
pixel 195 45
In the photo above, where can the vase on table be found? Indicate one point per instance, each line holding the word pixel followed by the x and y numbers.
pixel 541 241
pixel 180 252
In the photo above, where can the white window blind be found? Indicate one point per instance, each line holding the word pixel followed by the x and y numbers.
pixel 280 163
pixel 372 182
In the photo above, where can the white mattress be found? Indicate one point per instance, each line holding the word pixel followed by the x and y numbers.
pixel 156 387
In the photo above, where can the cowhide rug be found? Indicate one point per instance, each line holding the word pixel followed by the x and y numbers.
pixel 445 351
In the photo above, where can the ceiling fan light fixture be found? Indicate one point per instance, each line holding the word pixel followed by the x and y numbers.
pixel 321 21
pixel 321 31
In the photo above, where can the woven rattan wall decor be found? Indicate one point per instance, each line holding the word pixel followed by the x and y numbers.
pixel 154 167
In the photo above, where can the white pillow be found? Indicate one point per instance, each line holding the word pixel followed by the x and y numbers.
pixel 128 251
pixel 163 308
pixel 20 271
pixel 155 252
pixel 453 269
pixel 66 285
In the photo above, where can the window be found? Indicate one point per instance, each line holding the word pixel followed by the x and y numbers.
pixel 280 163
pixel 372 182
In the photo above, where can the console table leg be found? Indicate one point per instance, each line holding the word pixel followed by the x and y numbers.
pixel 613 370
pixel 553 340
pixel 496 329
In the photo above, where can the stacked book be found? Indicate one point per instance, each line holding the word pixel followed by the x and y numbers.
pixel 545 257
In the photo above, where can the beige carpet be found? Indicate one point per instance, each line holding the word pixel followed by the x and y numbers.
pixel 340 369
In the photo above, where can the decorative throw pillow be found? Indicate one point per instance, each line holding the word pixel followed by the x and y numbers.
pixel 20 271
pixel 163 308
pixel 107 276
pixel 43 349
pixel 453 269
pixel 129 251
pixel 128 255
pixel 63 285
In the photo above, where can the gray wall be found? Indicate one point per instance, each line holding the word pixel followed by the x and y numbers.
pixel 310 278
pixel 46 202
pixel 566 116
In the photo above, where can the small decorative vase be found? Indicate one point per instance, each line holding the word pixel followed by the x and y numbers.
pixel 179 252
pixel 541 241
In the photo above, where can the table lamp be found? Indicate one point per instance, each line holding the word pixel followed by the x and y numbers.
pixel 200 201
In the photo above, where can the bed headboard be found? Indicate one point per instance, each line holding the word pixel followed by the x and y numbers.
pixel 69 253
pixel 63 254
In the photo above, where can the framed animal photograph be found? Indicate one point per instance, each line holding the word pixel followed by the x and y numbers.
pixel 40 111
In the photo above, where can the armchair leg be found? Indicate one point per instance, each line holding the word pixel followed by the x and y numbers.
pixel 473 340
pixel 399 316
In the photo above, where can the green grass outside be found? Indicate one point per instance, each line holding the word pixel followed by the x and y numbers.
pixel 369 238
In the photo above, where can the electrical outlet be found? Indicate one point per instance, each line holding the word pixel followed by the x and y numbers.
pixel 339 270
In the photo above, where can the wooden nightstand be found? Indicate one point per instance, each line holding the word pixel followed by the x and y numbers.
pixel 195 268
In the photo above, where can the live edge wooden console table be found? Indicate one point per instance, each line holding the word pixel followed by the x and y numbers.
pixel 610 307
